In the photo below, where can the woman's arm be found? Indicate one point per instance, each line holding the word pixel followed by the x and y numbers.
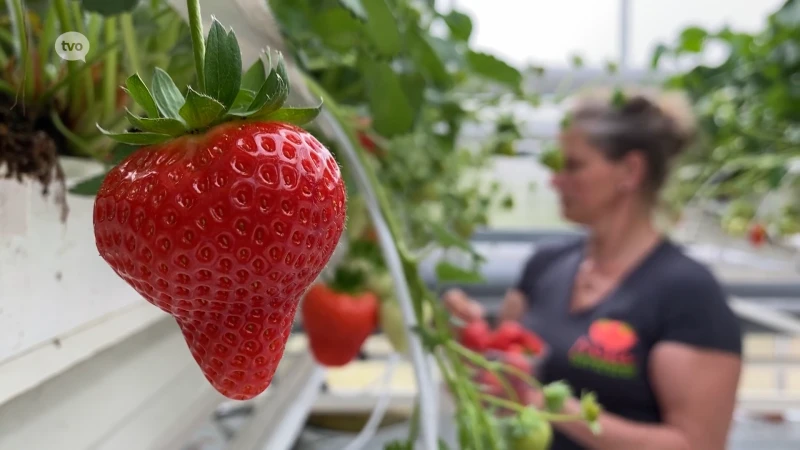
pixel 461 306
pixel 697 390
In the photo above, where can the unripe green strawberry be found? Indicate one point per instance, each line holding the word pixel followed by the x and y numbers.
pixel 391 323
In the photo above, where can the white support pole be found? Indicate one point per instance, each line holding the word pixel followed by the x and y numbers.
pixel 624 32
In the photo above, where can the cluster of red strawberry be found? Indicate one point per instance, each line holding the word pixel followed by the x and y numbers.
pixel 511 344
pixel 510 337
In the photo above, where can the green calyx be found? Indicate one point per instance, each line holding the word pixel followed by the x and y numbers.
pixel 224 94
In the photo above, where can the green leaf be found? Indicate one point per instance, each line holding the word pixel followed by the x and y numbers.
pixel 658 53
pixel 89 186
pixel 552 158
pixel 271 96
pixel 109 7
pixel 618 98
pixel 391 112
pixel 136 138
pixel 447 272
pixel 692 40
pixel 449 240
pixel 789 14
pixel 460 25
pixel 355 7
pixel 243 100
pixel 414 85
pixel 281 70
pixel 254 77
pixel 200 110
pixel 141 94
pixel 382 27
pixel 167 96
pixel 223 65
pixel 428 60
pixel 161 125
pixel 338 29
pixel 297 116
pixel 489 66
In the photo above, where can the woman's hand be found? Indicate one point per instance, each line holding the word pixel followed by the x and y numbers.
pixel 461 306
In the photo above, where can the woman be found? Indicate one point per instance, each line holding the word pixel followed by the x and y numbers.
pixel 625 312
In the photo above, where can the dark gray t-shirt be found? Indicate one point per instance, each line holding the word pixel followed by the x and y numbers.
pixel 606 349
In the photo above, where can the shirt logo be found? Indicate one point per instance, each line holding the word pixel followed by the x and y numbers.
pixel 606 349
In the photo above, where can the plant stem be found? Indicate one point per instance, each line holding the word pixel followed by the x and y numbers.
pixel 85 92
pixel 478 359
pixel 46 39
pixel 527 378
pixel 81 145
pixel 503 403
pixel 65 22
pixel 550 417
pixel 129 38
pixel 482 362
pixel 198 42
pixel 109 96
pixel 19 24
pixel 72 76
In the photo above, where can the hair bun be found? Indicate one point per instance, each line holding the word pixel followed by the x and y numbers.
pixel 677 106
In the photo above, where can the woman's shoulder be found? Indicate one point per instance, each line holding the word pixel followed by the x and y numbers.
pixel 676 269
pixel 546 252
pixel 694 303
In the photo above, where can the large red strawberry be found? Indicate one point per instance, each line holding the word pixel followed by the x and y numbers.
pixel 337 323
pixel 227 215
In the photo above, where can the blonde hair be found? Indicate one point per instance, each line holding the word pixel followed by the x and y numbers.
pixel 660 124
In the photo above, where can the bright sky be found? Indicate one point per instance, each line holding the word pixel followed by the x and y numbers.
pixel 548 32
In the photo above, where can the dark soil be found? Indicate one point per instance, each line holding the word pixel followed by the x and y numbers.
pixel 29 150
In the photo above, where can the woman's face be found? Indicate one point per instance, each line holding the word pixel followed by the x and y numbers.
pixel 591 186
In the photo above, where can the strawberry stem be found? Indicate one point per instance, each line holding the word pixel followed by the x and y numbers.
pixel 548 416
pixel 198 41
pixel 347 280
pixel 492 366
pixel 110 70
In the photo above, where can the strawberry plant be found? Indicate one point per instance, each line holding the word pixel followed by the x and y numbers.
pixel 749 111
pixel 51 105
